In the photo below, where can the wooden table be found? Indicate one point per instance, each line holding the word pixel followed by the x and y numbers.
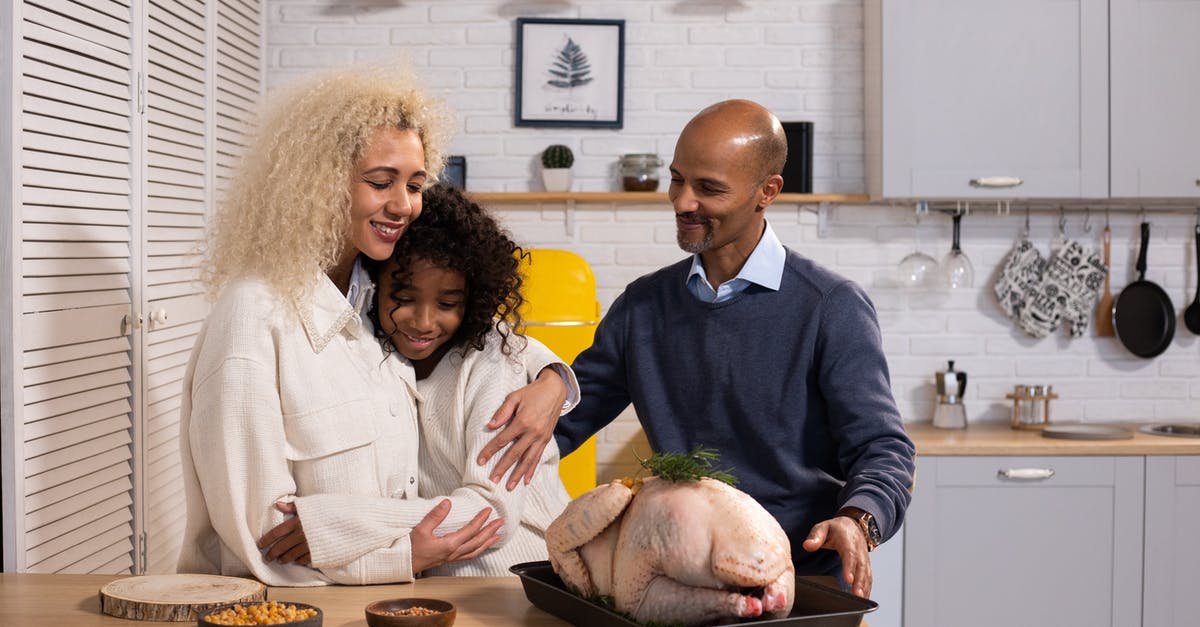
pixel 29 600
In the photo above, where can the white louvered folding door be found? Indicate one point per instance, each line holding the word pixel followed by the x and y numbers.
pixel 239 80
pixel 125 118
pixel 177 138
pixel 76 248
pixel 186 146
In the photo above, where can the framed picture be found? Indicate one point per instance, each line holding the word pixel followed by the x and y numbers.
pixel 570 72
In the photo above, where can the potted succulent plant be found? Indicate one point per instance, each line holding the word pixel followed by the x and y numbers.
pixel 556 168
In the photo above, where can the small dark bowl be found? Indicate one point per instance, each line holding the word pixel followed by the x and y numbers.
pixel 376 616
pixel 315 621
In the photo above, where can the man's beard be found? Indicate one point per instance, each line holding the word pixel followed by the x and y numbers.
pixel 695 248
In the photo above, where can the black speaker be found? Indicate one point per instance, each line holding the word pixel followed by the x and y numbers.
pixel 455 173
pixel 797 172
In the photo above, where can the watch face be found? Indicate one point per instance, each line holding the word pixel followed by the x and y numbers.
pixel 873 530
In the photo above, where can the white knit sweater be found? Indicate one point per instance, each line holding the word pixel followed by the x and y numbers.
pixel 288 401
pixel 457 400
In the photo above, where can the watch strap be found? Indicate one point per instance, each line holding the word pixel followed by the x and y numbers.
pixel 866 523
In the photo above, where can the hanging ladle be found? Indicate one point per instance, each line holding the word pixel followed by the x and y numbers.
pixel 1191 315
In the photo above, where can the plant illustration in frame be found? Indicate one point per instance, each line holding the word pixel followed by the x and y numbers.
pixel 570 67
pixel 570 72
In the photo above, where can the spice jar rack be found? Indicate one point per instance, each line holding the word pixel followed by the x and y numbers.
pixel 1031 406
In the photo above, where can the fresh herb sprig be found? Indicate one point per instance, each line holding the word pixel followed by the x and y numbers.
pixel 687 466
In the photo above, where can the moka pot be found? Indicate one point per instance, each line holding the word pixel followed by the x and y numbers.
pixel 950 412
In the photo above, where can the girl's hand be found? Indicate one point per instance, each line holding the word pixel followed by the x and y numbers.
pixel 429 550
pixel 528 416
pixel 286 542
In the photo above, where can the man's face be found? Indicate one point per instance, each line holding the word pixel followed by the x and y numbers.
pixel 715 192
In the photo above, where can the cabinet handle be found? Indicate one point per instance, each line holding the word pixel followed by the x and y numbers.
pixel 159 317
pixel 996 181
pixel 130 322
pixel 1025 474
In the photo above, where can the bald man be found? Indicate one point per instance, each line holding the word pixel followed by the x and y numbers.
pixel 751 349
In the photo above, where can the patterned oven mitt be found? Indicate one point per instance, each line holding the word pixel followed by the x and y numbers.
pixel 1067 293
pixel 1083 273
pixel 1020 278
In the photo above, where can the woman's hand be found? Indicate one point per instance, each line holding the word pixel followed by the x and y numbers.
pixel 286 542
pixel 468 542
pixel 528 416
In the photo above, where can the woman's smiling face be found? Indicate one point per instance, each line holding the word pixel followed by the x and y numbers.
pixel 422 316
pixel 385 191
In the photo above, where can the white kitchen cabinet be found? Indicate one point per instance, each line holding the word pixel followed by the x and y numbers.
pixel 966 94
pixel 1171 570
pixel 117 121
pixel 887 588
pixel 1155 95
pixel 1025 541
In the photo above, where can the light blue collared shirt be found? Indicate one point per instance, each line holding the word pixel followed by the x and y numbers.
pixel 361 291
pixel 764 267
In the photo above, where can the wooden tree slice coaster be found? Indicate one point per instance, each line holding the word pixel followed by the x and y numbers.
pixel 182 597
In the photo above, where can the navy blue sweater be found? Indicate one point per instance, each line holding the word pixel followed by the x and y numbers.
pixel 790 386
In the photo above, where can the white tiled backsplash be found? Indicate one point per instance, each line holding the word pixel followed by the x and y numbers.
pixel 803 59
pixel 1096 378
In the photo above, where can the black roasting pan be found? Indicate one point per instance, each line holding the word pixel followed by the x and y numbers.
pixel 815 606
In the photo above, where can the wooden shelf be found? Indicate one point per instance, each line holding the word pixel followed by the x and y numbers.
pixel 640 197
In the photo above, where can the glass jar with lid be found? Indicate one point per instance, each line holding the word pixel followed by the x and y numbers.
pixel 639 172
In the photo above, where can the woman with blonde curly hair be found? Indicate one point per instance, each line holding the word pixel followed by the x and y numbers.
pixel 299 440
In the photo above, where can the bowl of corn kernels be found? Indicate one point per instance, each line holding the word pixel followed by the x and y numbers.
pixel 262 613
pixel 411 613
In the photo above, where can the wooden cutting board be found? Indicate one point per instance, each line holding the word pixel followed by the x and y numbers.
pixel 180 597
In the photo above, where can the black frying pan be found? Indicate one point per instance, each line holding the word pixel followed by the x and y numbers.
pixel 1144 317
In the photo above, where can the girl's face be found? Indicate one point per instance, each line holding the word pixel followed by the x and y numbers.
pixel 385 191
pixel 422 318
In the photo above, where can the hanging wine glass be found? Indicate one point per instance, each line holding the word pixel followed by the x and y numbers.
pixel 917 270
pixel 957 271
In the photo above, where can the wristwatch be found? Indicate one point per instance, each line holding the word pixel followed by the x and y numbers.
pixel 866 522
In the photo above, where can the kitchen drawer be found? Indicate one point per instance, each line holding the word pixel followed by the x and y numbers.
pixel 992 471
pixel 986 551
pixel 1187 470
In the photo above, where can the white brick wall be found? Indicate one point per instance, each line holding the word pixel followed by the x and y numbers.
pixel 803 59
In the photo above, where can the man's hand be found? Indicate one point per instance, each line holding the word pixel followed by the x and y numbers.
pixel 528 416
pixel 843 535
pixel 468 542
pixel 286 542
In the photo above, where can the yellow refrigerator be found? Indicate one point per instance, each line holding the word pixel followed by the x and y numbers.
pixel 562 312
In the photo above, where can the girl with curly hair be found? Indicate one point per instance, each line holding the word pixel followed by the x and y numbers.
pixel 448 303
pixel 298 439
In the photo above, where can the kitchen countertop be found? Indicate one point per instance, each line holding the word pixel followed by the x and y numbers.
pixel 1002 439
pixel 35 599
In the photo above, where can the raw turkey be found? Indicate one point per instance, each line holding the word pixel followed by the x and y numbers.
pixel 687 552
